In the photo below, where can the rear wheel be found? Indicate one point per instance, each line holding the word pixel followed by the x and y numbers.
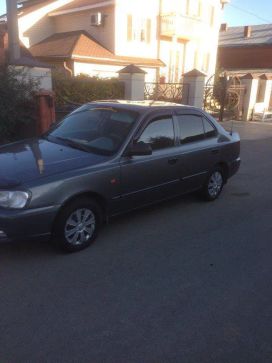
pixel 77 225
pixel 214 184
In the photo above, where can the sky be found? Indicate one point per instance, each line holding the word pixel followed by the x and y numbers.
pixel 238 12
pixel 248 12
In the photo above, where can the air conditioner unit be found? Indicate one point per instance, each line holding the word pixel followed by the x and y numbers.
pixel 96 19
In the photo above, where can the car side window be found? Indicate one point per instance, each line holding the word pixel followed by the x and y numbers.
pixel 191 128
pixel 159 133
pixel 210 131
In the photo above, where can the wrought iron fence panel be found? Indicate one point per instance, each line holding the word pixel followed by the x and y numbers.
pixel 223 98
pixel 171 92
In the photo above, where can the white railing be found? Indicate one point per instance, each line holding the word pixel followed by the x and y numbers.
pixel 182 26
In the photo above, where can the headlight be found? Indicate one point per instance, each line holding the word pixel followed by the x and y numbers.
pixel 13 199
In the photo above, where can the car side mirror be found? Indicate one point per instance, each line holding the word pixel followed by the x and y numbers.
pixel 139 149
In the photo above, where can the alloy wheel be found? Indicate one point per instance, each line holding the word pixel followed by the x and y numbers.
pixel 80 226
pixel 215 184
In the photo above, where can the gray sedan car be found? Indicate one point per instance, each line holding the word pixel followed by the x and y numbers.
pixel 107 158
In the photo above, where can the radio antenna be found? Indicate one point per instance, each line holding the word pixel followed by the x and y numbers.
pixel 231 130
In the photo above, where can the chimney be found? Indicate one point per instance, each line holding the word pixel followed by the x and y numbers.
pixel 224 2
pixel 224 27
pixel 247 31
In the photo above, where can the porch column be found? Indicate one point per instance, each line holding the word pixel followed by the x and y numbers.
pixel 266 89
pixel 251 83
pixel 134 79
pixel 195 85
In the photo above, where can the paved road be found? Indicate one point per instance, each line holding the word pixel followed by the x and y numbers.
pixel 185 281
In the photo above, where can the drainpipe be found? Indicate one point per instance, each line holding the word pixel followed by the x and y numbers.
pixel 159 40
pixel 13 32
pixel 67 68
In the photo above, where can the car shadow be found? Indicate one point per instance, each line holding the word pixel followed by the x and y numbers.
pixel 46 247
pixel 28 247
pixel 159 207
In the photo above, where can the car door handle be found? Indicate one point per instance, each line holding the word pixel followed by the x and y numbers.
pixel 215 151
pixel 172 161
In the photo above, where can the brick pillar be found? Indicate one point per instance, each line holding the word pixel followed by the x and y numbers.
pixel 134 80
pixel 250 98
pixel 46 111
pixel 196 83
pixel 266 83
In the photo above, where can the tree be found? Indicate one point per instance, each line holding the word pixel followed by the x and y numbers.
pixel 17 102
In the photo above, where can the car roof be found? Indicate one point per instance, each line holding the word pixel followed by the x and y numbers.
pixel 143 106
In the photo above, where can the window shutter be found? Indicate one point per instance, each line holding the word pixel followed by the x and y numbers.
pixel 148 30
pixel 188 7
pixel 129 28
pixel 212 16
pixel 200 8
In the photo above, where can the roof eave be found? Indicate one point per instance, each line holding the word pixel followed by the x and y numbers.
pixel 112 61
pixel 82 8
pixel 259 45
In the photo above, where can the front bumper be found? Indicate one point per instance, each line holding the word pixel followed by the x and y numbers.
pixel 18 224
pixel 3 236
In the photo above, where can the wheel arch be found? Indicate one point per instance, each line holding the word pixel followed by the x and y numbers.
pixel 225 168
pixel 98 198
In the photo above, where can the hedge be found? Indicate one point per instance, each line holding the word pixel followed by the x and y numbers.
pixel 82 89
pixel 17 103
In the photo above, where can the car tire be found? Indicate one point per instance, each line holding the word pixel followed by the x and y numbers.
pixel 77 225
pixel 213 185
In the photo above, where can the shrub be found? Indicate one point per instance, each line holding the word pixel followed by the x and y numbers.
pixel 82 89
pixel 17 102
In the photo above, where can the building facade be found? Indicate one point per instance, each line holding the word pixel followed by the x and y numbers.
pixel 167 38
pixel 246 53
pixel 246 49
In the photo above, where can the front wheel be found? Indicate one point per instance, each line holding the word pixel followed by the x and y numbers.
pixel 214 185
pixel 77 225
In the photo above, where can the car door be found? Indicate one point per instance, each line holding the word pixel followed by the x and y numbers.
pixel 145 179
pixel 198 148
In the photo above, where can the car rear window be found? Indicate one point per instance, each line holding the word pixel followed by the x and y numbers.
pixel 191 128
pixel 210 131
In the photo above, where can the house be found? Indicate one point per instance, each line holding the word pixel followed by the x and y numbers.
pixel 39 70
pixel 246 53
pixel 246 49
pixel 99 37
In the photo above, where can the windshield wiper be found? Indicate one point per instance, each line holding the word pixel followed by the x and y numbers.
pixel 73 144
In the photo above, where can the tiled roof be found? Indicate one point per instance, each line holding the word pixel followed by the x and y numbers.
pixel 79 45
pixel 26 58
pixel 132 69
pixel 86 46
pixel 29 61
pixel 58 45
pixel 234 36
pixel 256 71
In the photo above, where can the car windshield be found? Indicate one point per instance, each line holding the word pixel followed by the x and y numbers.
pixel 98 129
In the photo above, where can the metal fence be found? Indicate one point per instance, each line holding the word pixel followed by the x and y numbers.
pixel 170 92
pixel 224 98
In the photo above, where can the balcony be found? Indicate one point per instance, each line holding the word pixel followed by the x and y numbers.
pixel 184 27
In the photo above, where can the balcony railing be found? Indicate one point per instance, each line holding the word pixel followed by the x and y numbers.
pixel 184 27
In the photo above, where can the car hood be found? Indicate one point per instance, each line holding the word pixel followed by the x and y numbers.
pixel 31 159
